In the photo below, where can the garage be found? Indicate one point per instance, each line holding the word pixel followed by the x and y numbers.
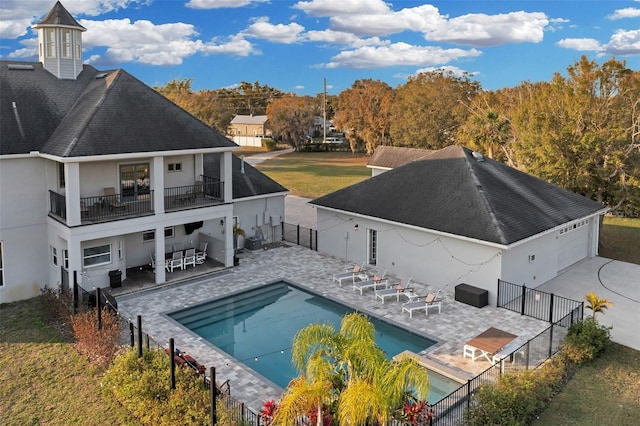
pixel 573 244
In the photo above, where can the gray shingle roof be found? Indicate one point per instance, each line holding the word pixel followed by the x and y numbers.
pixel 99 113
pixel 452 191
pixel 391 157
pixel 57 16
pixel 249 119
pixel 251 183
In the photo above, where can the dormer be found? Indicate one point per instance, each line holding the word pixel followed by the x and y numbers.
pixel 60 43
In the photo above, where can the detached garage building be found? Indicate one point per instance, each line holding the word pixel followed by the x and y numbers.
pixel 458 217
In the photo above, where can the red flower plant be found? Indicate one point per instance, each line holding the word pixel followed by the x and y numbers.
pixel 267 411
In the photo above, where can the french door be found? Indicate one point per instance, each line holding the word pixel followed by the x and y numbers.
pixel 134 181
pixel 372 246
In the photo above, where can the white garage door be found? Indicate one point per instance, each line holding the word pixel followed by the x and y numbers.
pixel 573 244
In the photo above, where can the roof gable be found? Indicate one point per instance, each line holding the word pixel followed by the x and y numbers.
pixel 249 119
pixel 456 192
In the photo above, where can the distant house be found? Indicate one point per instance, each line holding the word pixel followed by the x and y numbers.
pixel 458 217
pixel 386 158
pixel 249 130
pixel 99 172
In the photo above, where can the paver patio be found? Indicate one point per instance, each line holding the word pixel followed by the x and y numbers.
pixel 452 328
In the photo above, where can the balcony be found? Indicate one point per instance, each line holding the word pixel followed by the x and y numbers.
pixel 105 208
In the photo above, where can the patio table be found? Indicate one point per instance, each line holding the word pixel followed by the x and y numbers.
pixel 487 343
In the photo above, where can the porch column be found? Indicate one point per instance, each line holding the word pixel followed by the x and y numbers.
pixel 160 272
pixel 72 198
pixel 228 240
pixel 157 183
pixel 74 248
pixel 198 166
pixel 226 176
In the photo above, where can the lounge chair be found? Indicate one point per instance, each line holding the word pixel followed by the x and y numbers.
pixel 356 272
pixel 111 199
pixel 430 301
pixel 375 282
pixel 176 261
pixel 189 258
pixel 201 254
pixel 395 291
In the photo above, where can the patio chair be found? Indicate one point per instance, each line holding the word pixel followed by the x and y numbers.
pixel 375 282
pixel 430 301
pixel 201 254
pixel 352 274
pixel 396 291
pixel 176 261
pixel 189 258
pixel 111 199
pixel 196 192
pixel 153 261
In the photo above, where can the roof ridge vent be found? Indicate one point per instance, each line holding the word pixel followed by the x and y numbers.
pixel 101 75
pixel 477 156
pixel 20 66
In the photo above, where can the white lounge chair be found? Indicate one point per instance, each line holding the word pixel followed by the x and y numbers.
pixel 201 254
pixel 189 258
pixel 395 291
pixel 374 282
pixel 356 272
pixel 176 261
pixel 428 302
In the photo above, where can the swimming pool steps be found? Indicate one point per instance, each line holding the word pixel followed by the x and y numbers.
pixel 229 307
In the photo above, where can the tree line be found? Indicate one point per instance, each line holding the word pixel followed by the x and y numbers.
pixel 580 131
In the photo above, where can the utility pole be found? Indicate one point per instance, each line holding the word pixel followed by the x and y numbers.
pixel 324 111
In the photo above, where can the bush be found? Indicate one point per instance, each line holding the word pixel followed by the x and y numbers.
pixel 57 304
pixel 586 340
pixel 269 144
pixel 99 345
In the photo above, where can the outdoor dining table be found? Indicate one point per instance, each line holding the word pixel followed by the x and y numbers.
pixel 487 343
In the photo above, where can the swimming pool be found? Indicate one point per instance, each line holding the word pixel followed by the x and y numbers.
pixel 257 327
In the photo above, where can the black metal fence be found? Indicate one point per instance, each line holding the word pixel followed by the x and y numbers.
pixel 536 303
pixel 300 235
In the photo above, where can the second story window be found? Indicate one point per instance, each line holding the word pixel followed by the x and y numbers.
pixel 61 181
pixel 174 167
pixel 66 43
pixel 50 42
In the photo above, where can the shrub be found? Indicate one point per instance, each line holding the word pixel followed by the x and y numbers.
pixel 586 340
pixel 57 303
pixel 99 345
pixel 269 144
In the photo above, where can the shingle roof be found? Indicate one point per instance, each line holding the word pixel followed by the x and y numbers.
pixel 249 119
pixel 456 192
pixel 57 16
pixel 390 157
pixel 99 113
pixel 251 183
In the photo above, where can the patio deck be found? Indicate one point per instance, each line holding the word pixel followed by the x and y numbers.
pixel 452 328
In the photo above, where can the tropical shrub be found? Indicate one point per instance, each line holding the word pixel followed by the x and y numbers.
pixel 586 340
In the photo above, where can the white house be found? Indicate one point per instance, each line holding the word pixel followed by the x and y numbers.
pixel 98 172
pixel 458 217
pixel 249 130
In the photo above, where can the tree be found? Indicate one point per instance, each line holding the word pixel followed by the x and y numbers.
pixel 596 304
pixel 363 112
pixel 291 117
pixel 429 108
pixel 346 370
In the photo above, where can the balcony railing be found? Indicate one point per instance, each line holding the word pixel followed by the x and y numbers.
pixel 102 208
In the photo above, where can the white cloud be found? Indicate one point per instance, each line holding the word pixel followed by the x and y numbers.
pixel 629 12
pixel 219 4
pixel 420 19
pixel 398 54
pixel 581 44
pixel 624 43
pixel 235 46
pixel 333 8
pixel 491 30
pixel 278 33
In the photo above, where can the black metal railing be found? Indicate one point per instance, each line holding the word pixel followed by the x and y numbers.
pixel 300 235
pixel 106 207
pixel 536 303
pixel 206 191
pixel 57 204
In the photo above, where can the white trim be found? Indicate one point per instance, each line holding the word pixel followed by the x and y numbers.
pixel 135 155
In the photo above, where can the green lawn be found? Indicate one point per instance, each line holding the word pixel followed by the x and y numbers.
pixel 313 174
pixel 620 239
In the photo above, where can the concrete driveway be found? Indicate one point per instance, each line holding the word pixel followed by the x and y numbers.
pixel 612 279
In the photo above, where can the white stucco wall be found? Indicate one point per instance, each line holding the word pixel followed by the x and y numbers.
pixel 23 213
pixel 518 269
pixel 254 216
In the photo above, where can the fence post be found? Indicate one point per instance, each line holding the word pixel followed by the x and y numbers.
pixel 282 226
pixel 242 406
pixel 75 292
pixel 551 308
pixel 551 340
pixel 212 394
pixel 499 288
pixel 172 364
pixel 528 351
pixel 99 308
pixel 131 334
pixel 524 295
pixel 146 341
pixel 139 318
pixel 316 239
pixel 298 234
pixel 468 394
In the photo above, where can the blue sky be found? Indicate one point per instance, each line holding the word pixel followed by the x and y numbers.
pixel 294 45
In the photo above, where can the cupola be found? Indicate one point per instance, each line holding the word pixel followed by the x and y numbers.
pixel 60 43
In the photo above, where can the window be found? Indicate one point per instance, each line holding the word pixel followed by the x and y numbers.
pixel 99 255
pixel 373 246
pixel 66 43
pixel 1 267
pixel 147 236
pixel 65 258
pixel 120 252
pixel 78 50
pixel 175 167
pixel 61 181
pixel 50 42
pixel 54 256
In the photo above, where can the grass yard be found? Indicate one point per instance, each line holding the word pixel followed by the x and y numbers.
pixel 606 392
pixel 43 380
pixel 314 174
pixel 620 239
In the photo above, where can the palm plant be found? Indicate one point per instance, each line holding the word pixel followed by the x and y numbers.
pixel 346 370
pixel 597 304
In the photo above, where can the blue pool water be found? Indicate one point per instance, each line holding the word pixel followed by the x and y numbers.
pixel 257 327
